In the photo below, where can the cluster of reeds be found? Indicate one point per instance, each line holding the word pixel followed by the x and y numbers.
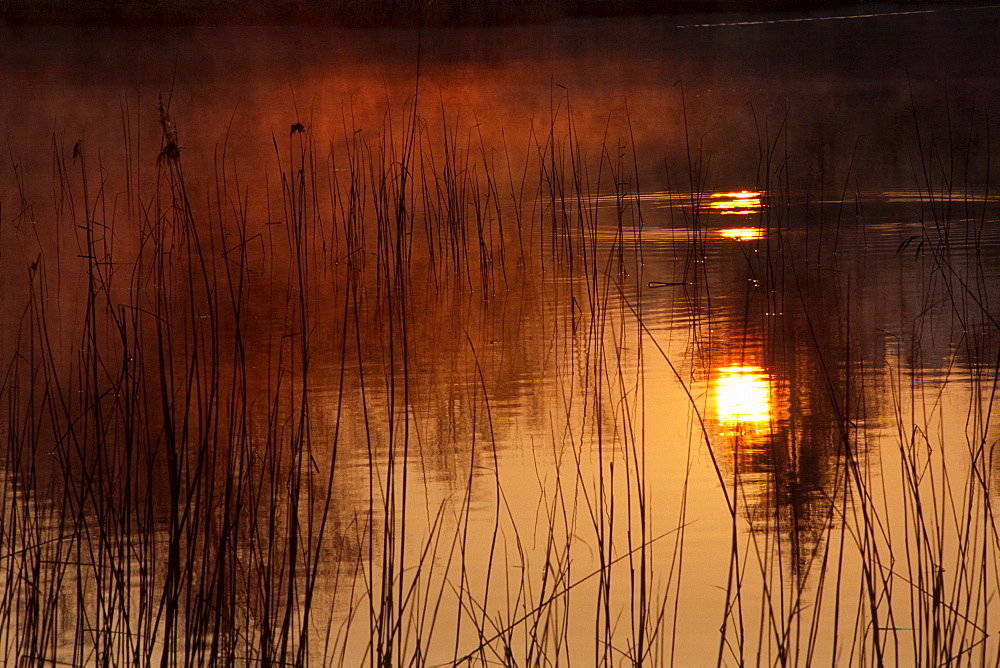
pixel 187 431
pixel 856 539
pixel 228 440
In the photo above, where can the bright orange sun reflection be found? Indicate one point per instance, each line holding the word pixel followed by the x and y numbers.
pixel 742 233
pixel 743 395
pixel 743 202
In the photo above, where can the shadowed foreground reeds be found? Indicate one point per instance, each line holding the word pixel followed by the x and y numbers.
pixel 273 423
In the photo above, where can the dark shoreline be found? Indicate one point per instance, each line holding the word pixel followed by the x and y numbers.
pixel 401 13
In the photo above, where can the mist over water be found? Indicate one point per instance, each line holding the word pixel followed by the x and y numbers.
pixel 614 341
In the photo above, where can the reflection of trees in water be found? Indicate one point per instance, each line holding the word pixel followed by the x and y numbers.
pixel 790 334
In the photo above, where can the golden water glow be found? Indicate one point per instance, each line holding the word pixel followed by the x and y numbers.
pixel 743 396
pixel 742 233
pixel 744 202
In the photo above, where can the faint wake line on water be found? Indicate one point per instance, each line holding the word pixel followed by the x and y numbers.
pixel 839 17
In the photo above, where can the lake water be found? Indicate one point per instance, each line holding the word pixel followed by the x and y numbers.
pixel 643 340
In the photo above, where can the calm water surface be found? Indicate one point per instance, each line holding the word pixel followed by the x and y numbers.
pixel 599 341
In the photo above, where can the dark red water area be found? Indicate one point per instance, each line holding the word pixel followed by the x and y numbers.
pixel 830 85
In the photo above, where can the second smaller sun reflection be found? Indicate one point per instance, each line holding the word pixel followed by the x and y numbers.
pixel 742 233
pixel 743 202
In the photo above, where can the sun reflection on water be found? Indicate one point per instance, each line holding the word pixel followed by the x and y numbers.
pixel 742 233
pixel 744 202
pixel 743 396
